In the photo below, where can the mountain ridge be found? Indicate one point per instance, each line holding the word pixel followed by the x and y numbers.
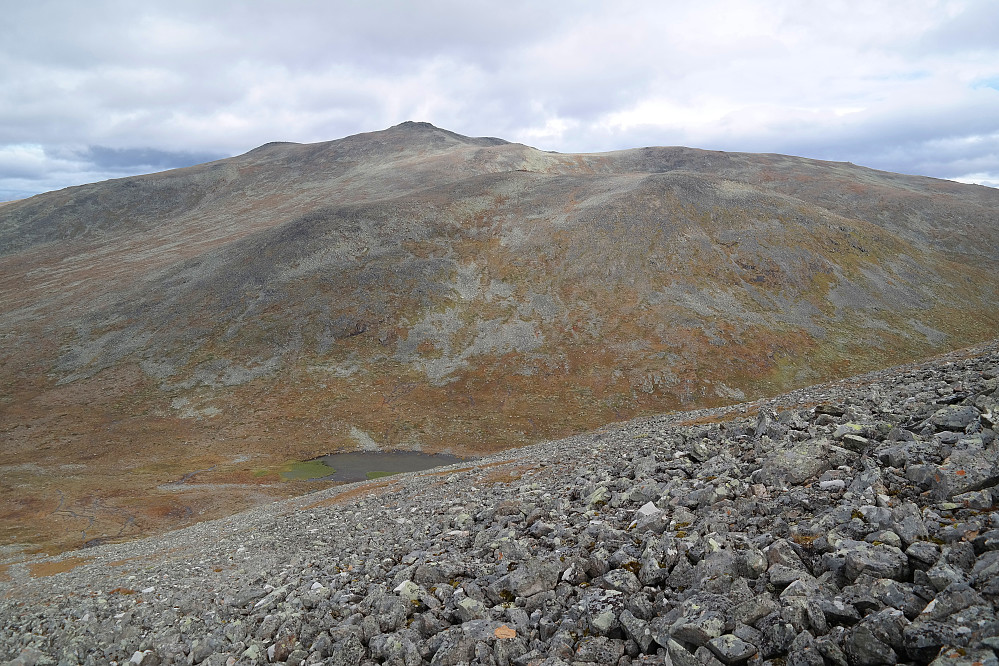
pixel 446 293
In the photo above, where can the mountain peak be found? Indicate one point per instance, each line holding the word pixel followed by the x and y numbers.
pixel 415 125
pixel 422 128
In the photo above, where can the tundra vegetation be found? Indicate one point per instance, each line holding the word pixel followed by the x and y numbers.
pixel 167 337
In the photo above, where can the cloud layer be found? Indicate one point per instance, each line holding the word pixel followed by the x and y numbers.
pixel 108 88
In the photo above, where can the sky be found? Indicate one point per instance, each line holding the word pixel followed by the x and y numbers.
pixel 107 88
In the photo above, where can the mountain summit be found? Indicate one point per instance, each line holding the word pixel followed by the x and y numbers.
pixel 417 289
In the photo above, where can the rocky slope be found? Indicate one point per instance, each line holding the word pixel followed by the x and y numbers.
pixel 852 523
pixel 163 335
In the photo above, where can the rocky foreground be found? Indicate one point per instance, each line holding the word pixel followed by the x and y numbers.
pixel 852 523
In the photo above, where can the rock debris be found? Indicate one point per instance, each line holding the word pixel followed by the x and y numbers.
pixel 850 524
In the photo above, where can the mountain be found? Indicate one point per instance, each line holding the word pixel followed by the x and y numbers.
pixel 170 340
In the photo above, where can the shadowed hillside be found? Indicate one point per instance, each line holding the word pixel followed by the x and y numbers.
pixel 171 335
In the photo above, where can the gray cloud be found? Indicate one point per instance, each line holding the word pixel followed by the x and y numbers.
pixel 130 159
pixel 98 90
pixel 974 27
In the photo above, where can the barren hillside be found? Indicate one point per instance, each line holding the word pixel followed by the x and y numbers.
pixel 169 336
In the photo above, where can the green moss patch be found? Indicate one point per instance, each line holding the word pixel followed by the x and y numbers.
pixel 305 470
pixel 378 475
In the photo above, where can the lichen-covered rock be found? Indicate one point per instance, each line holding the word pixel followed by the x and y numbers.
pixel 470 609
pixel 878 561
pixel 753 610
pixel 620 580
pixel 599 650
pixel 796 464
pixel 347 652
pixel 730 649
pixel 453 647
pixel 534 576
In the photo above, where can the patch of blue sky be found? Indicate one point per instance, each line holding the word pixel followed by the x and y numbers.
pixel 991 82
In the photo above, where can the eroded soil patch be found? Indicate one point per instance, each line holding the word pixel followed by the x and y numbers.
pixel 53 567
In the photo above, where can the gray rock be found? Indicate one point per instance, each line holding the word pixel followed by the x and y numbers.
pixel 145 658
pixel 778 634
pixel 703 450
pixel 731 649
pixel 602 623
pixel 428 575
pixel 892 456
pixel 963 471
pixel 704 657
pixel 347 652
pixel 620 580
pixel 963 657
pixel 679 656
pixel 751 563
pixel 979 500
pixel 396 648
pixel 924 637
pixel 533 576
pixel 599 497
pixel 986 541
pixel 783 552
pixel 804 652
pixel 829 409
pixel 986 566
pixel 29 656
pixel 956 616
pixel 838 611
pixel 371 627
pixel 780 576
pixel 848 428
pixel 390 611
pixel 453 647
pixel 951 600
pixel 886 537
pixel 898 595
pixel 831 651
pixel 796 465
pixel 637 630
pixel 816 617
pixel 922 554
pixel 649 517
pixel 751 611
pixel 245 596
pixel 880 561
pixel 508 650
pixel 855 443
pixel 599 650
pixel 943 574
pixel 697 629
pixel 470 609
pixel 749 634
pixel 652 572
pixel 954 417
pixel 200 649
pixel 864 648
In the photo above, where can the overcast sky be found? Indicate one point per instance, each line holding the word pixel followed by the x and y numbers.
pixel 103 89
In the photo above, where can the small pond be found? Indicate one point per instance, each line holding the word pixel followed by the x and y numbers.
pixel 364 465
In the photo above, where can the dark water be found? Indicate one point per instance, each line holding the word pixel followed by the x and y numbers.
pixel 362 465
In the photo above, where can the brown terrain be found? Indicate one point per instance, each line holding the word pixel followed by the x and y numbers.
pixel 170 341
